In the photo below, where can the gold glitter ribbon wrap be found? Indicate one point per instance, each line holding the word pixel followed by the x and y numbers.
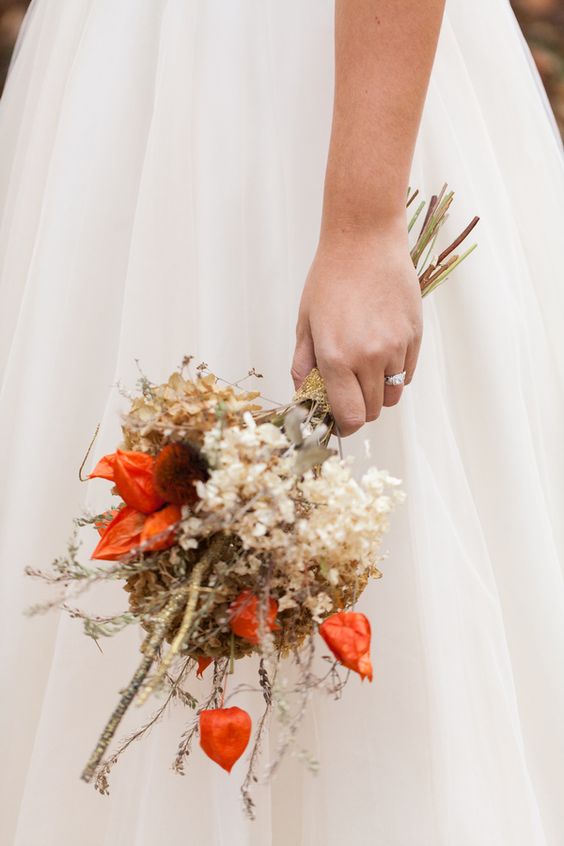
pixel 313 389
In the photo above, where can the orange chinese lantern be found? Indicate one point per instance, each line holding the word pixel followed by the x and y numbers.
pixel 121 535
pixel 133 477
pixel 244 616
pixel 224 734
pixel 347 634
pixel 105 468
pixel 159 522
pixel 203 664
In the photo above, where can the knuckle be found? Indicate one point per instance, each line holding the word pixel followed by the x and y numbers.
pixel 374 352
pixel 350 423
pixel 390 347
pixel 331 360
pixel 395 346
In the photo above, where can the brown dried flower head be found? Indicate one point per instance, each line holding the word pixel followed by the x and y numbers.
pixel 183 409
pixel 177 468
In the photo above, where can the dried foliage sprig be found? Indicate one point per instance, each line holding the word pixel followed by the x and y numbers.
pixel 433 271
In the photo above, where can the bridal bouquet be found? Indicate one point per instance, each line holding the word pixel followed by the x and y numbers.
pixel 234 531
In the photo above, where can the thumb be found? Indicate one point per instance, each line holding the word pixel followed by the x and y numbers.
pixel 304 357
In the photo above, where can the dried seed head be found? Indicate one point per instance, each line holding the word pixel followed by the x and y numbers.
pixel 177 468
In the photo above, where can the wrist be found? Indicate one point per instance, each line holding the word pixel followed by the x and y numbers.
pixel 346 232
pixel 355 198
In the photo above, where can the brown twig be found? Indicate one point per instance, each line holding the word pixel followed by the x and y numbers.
pixel 85 459
pixel 464 234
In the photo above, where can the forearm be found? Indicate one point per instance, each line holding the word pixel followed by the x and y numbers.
pixel 360 314
pixel 384 51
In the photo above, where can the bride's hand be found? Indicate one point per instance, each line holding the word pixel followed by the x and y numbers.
pixel 360 316
pixel 360 319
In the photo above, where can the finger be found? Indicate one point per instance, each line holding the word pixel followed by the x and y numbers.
pixel 345 398
pixel 411 359
pixel 371 379
pixel 304 357
pixel 392 393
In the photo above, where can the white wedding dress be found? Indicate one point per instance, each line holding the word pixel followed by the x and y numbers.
pixel 161 172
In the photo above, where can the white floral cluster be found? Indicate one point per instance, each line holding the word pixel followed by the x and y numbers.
pixel 349 518
pixel 317 533
pixel 251 482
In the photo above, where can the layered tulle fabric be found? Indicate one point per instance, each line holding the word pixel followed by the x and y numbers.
pixel 161 172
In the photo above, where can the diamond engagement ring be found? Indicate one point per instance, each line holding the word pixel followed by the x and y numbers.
pixel 396 379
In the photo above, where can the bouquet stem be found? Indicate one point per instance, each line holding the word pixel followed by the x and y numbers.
pixel 185 594
pixel 195 582
pixel 165 619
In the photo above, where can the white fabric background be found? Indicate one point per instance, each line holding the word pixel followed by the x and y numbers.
pixel 161 167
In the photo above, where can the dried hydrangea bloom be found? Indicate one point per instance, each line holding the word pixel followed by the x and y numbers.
pixel 186 407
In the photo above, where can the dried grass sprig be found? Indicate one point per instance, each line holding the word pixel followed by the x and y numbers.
pixel 432 272
pixel 104 768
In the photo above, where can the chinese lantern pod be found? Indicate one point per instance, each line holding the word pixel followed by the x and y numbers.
pixel 244 616
pixel 203 664
pixel 121 535
pixel 347 634
pixel 224 734
pixel 133 477
pixel 105 468
pixel 159 522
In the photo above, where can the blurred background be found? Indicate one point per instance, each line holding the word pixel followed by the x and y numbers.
pixel 542 22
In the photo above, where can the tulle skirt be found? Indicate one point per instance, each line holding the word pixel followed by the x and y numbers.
pixel 161 174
